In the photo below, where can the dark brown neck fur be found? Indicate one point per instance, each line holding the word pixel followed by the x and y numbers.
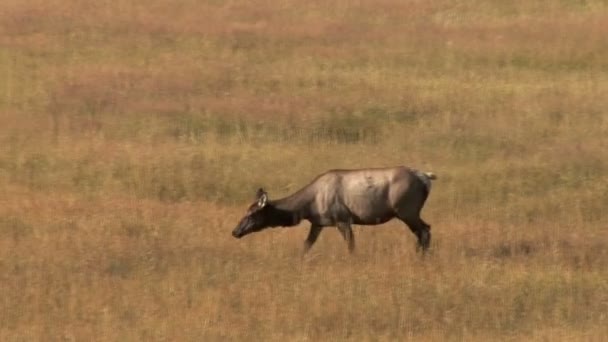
pixel 283 217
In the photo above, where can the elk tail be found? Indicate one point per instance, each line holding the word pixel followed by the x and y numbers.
pixel 430 175
pixel 425 178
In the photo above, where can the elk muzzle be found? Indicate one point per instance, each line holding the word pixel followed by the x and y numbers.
pixel 237 233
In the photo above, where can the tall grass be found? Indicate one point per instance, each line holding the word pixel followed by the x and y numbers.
pixel 134 134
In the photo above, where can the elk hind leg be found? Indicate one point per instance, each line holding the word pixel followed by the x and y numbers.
pixel 421 229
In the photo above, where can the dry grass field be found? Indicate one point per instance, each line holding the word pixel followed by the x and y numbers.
pixel 134 134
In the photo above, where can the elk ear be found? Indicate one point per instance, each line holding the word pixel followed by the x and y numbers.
pixel 259 193
pixel 262 197
pixel 262 200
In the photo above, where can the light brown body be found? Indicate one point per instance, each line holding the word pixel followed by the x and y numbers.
pixel 344 197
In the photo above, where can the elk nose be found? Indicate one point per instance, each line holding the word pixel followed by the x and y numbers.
pixel 235 233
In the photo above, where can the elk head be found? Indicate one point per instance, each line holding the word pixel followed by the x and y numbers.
pixel 259 216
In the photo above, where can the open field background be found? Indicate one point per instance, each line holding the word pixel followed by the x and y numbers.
pixel 133 135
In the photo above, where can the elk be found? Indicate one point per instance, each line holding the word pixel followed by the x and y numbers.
pixel 341 198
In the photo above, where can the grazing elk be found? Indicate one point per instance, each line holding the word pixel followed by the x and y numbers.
pixel 341 198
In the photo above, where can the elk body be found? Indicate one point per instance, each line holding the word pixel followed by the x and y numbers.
pixel 341 198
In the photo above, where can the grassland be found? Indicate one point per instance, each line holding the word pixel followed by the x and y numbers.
pixel 133 134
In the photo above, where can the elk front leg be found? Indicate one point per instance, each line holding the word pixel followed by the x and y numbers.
pixel 313 234
pixel 347 233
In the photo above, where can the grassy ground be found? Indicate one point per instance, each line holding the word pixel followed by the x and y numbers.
pixel 133 135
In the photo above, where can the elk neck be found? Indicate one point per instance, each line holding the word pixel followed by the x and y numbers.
pixel 292 209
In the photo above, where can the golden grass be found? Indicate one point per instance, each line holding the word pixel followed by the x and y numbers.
pixel 134 134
